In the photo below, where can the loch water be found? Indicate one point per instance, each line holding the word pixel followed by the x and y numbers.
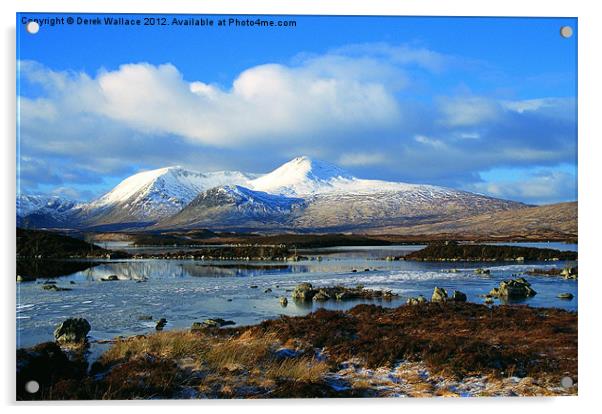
pixel 185 291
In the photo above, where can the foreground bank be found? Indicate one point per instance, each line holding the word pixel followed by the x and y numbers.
pixel 447 349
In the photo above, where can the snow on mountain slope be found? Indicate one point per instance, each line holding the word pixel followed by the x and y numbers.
pixel 304 176
pixel 301 176
pixel 155 194
pixel 27 204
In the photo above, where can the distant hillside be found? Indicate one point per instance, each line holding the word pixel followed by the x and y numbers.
pixel 554 221
pixel 49 245
pixel 474 252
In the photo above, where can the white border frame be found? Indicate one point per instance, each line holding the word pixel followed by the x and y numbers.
pixel 590 33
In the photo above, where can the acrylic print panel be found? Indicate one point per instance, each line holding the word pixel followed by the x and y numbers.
pixel 295 206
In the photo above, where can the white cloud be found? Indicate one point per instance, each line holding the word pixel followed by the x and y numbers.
pixel 431 142
pixel 362 159
pixel 541 187
pixel 468 111
pixel 264 103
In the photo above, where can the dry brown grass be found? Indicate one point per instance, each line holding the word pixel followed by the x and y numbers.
pixel 170 344
pixel 221 366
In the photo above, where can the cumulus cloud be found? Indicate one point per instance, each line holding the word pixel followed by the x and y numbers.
pixel 264 102
pixel 353 105
pixel 468 111
pixel 362 159
pixel 538 188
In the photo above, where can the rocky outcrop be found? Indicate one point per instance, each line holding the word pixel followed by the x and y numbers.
pixel 110 278
pixel 458 296
pixel 72 331
pixel 417 300
pixel 513 289
pixel 439 295
pixel 569 273
pixel 305 292
pixel 211 323
pixel 161 324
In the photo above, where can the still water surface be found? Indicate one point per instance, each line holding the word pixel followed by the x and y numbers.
pixel 184 291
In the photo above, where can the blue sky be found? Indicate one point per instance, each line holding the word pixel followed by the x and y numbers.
pixel 486 105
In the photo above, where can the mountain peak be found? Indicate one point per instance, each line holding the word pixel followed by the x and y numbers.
pixel 301 175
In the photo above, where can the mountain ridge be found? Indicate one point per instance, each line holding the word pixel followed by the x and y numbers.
pixel 302 193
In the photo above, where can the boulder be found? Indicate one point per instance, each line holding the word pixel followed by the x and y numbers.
pixel 565 296
pixel 481 271
pixel 439 295
pixel 458 296
pixel 569 273
pixel 211 323
pixel 72 331
pixel 514 289
pixel 412 301
pixel 54 288
pixel 161 324
pixel 304 292
pixel 268 290
pixel 417 300
pixel 322 295
pixel 283 301
pixel 110 278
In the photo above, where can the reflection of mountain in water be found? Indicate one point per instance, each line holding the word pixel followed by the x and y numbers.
pixel 33 269
pixel 151 269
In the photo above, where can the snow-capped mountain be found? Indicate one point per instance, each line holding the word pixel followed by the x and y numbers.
pixel 302 194
pixel 152 195
pixel 302 176
pixel 44 210
pixel 306 194
pixel 27 204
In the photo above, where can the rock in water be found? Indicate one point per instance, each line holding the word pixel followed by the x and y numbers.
pixel 55 288
pixel 439 295
pixel 321 296
pixel 514 289
pixel 566 296
pixel 283 301
pixel 72 331
pixel 110 278
pixel 458 296
pixel 303 291
pixel 569 273
pixel 211 323
pixel 161 324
